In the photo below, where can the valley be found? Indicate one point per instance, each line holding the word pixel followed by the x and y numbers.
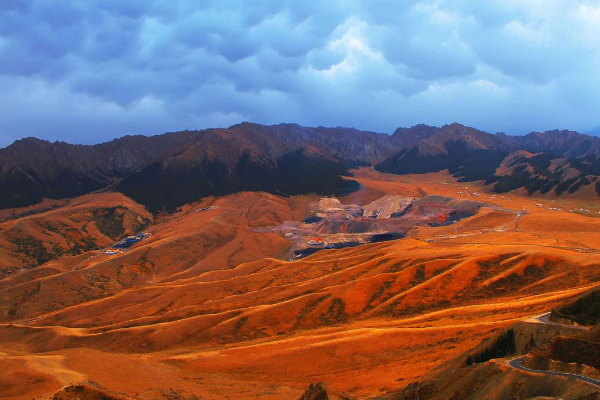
pixel 209 306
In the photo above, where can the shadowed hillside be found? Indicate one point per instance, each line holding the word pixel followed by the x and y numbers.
pixel 558 161
pixel 580 349
pixel 585 310
pixel 172 184
pixel 190 165
pixel 207 162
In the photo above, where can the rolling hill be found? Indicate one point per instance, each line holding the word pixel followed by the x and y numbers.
pixel 207 307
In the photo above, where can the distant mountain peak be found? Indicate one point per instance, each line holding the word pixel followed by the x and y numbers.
pixel 247 124
pixel 29 141
pixel 455 125
pixel 415 128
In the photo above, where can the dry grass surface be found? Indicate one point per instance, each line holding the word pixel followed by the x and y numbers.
pixel 208 307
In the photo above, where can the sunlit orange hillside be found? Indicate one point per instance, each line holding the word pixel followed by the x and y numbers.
pixel 209 305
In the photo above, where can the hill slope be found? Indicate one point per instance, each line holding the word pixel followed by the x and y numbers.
pixel 206 306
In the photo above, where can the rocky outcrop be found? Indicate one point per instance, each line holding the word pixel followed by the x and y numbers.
pixel 320 391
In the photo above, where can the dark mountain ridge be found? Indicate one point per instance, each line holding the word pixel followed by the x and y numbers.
pixel 562 161
pixel 168 170
pixel 31 169
pixel 191 164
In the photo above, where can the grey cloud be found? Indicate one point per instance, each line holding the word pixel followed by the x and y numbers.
pixel 111 67
pixel 323 59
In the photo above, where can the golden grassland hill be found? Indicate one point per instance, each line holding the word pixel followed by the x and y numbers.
pixel 207 307
pixel 82 225
pixel 181 247
pixel 333 332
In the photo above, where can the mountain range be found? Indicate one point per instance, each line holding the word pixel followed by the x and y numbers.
pixel 166 171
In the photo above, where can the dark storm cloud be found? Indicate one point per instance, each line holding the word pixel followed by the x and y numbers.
pixel 87 71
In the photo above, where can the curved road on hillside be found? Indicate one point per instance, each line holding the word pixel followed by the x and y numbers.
pixel 545 319
pixel 516 364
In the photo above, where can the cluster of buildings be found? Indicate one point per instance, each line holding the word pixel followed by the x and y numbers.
pixel 127 242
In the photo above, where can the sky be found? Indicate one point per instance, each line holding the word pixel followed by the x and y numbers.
pixel 90 71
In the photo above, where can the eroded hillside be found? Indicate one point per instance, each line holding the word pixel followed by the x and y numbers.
pixel 209 306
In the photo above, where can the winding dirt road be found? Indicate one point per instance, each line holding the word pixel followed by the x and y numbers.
pixel 516 364
pixel 545 319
